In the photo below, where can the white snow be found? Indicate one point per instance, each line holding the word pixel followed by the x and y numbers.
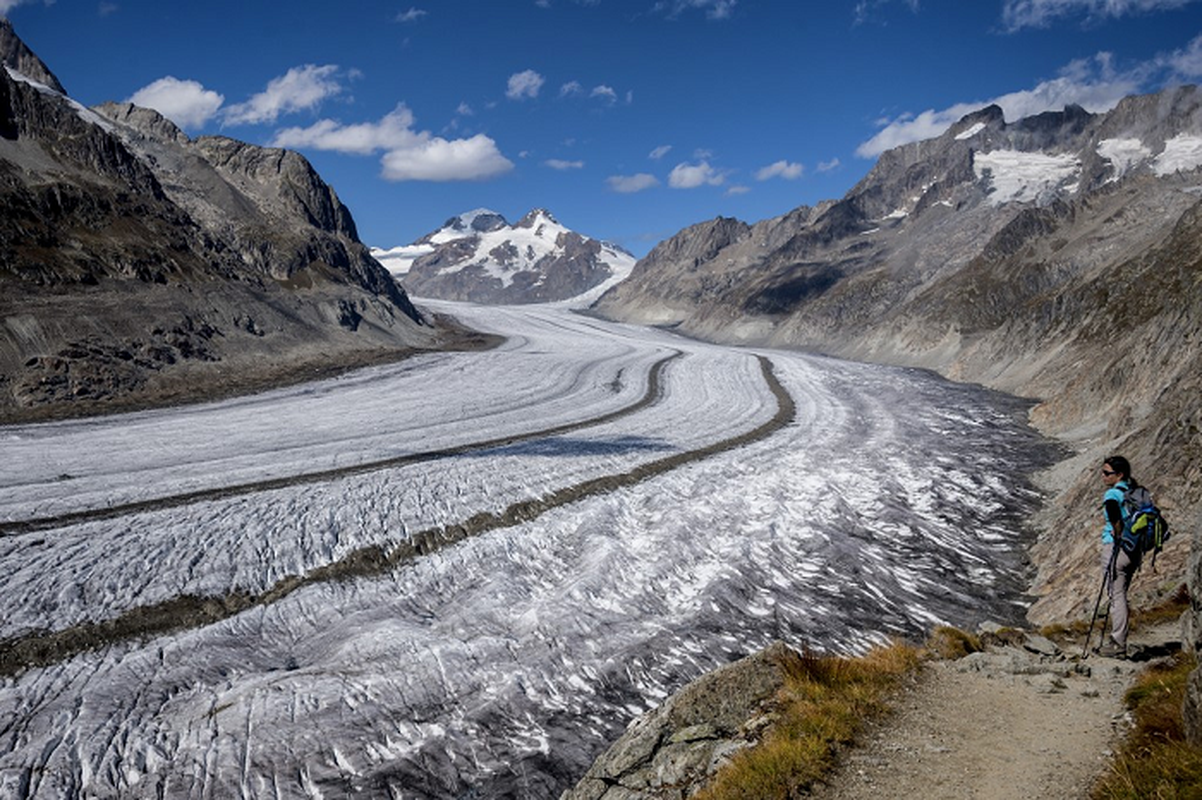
pixel 399 260
pixel 1015 176
pixel 518 249
pixel 1124 154
pixel 1182 153
pixel 884 506
pixel 970 132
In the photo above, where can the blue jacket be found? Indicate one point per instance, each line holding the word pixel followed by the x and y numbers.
pixel 1115 493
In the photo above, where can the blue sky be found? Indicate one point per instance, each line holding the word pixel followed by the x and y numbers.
pixel 627 119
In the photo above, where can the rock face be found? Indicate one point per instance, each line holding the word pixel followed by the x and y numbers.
pixel 137 265
pixel 481 258
pixel 684 741
pixel 1057 257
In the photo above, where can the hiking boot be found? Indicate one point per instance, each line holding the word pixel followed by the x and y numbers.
pixel 1112 649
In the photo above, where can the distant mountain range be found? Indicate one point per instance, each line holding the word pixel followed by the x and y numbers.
pixel 138 266
pixel 1057 257
pixel 480 257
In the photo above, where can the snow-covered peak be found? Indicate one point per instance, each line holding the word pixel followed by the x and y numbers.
pixel 478 255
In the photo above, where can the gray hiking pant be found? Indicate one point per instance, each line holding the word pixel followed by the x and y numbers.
pixel 1117 582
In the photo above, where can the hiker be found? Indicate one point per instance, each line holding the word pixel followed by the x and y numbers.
pixel 1119 566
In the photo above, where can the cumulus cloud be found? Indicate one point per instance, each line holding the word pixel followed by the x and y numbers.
pixel 560 164
pixel 571 88
pixel 829 166
pixel 436 159
pixel 629 184
pixel 690 176
pixel 1019 14
pixel 408 154
pixel 659 152
pixel 781 169
pixel 186 103
pixel 300 89
pixel 1090 83
pixel 393 131
pixel 524 85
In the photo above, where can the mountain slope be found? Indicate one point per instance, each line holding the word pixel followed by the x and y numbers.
pixel 139 266
pixel 479 257
pixel 1057 257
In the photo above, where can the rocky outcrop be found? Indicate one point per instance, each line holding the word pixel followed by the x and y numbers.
pixel 138 266
pixel 15 55
pixel 684 741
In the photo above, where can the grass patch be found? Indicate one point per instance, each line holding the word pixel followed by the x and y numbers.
pixel 1155 761
pixel 950 643
pixel 823 706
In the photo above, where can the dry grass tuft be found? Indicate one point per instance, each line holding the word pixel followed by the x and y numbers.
pixel 1156 762
pixel 949 643
pixel 824 704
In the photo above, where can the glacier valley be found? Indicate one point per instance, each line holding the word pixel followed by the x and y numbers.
pixel 602 512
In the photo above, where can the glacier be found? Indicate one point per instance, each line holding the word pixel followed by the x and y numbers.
pixel 498 663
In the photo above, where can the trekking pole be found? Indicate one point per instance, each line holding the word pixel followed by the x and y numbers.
pixel 1114 553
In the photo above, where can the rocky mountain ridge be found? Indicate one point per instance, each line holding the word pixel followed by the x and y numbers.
pixel 1057 257
pixel 479 257
pixel 140 266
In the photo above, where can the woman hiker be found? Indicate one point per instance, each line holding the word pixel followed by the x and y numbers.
pixel 1120 567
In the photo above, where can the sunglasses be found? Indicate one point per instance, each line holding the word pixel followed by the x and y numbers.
pixel 1109 472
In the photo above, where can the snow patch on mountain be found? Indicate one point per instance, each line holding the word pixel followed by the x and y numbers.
pixel 85 113
pixel 971 132
pixel 1015 176
pixel 1182 153
pixel 1124 154
pixel 398 260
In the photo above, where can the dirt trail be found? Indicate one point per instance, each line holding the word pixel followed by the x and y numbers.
pixel 1001 725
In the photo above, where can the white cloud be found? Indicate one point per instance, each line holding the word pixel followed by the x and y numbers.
pixel 412 15
pixel 660 152
pixel 781 169
pixel 690 176
pixel 571 88
pixel 523 85
pixel 464 110
pixel 1019 14
pixel 186 103
pixel 1089 83
pixel 560 164
pixel 300 89
pixel 605 92
pixel 394 131
pixel 1187 63
pixel 714 9
pixel 829 166
pixel 737 190
pixel 629 184
pixel 407 154
pixel 436 159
